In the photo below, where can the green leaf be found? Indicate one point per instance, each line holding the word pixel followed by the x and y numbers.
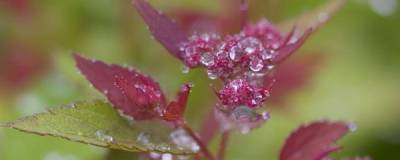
pixel 97 123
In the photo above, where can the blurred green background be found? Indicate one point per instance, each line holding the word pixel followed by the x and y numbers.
pixel 358 80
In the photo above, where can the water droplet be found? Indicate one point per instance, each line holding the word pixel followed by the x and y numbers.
pixel 275 45
pixel 211 75
pixel 323 17
pixel 57 156
pixel 265 115
pixel 166 156
pixel 163 147
pixel 144 138
pixel 100 134
pixel 72 105
pixel 181 139
pixel 235 53
pixel 266 55
pixel 154 155
pixel 250 45
pixel 207 59
pixel 185 69
pixel 352 126
pixel 244 130
pixel 105 92
pixel 270 67
pixel 383 7
pixel 256 65
pixel 243 113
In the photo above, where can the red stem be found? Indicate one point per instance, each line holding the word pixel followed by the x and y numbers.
pixel 203 147
pixel 222 145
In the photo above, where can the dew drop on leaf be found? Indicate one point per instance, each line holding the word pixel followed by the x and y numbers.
pixel 181 139
pixel 352 126
pixel 144 138
pixel 100 134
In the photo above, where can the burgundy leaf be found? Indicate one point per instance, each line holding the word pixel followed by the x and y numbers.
pixel 133 93
pixel 163 29
pixel 315 18
pixel 176 108
pixel 294 43
pixel 314 141
pixel 292 76
pixel 244 8
pixel 197 22
pixel 209 127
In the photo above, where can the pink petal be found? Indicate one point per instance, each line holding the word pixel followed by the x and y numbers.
pixel 314 141
pixel 163 29
pixel 176 108
pixel 133 93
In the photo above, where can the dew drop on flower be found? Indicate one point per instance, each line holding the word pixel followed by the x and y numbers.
pixel 235 53
pixel 100 134
pixel 212 75
pixel 207 59
pixel 266 55
pixel 250 45
pixel 256 65
pixel 243 113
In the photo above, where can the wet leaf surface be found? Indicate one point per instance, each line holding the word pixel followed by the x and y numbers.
pixel 97 123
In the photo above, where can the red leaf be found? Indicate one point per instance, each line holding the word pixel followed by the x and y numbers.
pixel 292 76
pixel 133 93
pixel 209 127
pixel 176 108
pixel 292 45
pixel 244 9
pixel 163 29
pixel 314 141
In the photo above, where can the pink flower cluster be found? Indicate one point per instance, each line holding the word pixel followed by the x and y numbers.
pixel 242 61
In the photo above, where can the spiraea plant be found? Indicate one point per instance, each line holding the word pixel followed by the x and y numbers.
pixel 137 117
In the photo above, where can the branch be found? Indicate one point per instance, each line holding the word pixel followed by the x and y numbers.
pixel 222 145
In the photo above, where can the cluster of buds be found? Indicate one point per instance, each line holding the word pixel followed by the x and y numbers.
pixel 242 61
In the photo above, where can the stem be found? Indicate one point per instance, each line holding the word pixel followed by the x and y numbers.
pixel 222 145
pixel 202 146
